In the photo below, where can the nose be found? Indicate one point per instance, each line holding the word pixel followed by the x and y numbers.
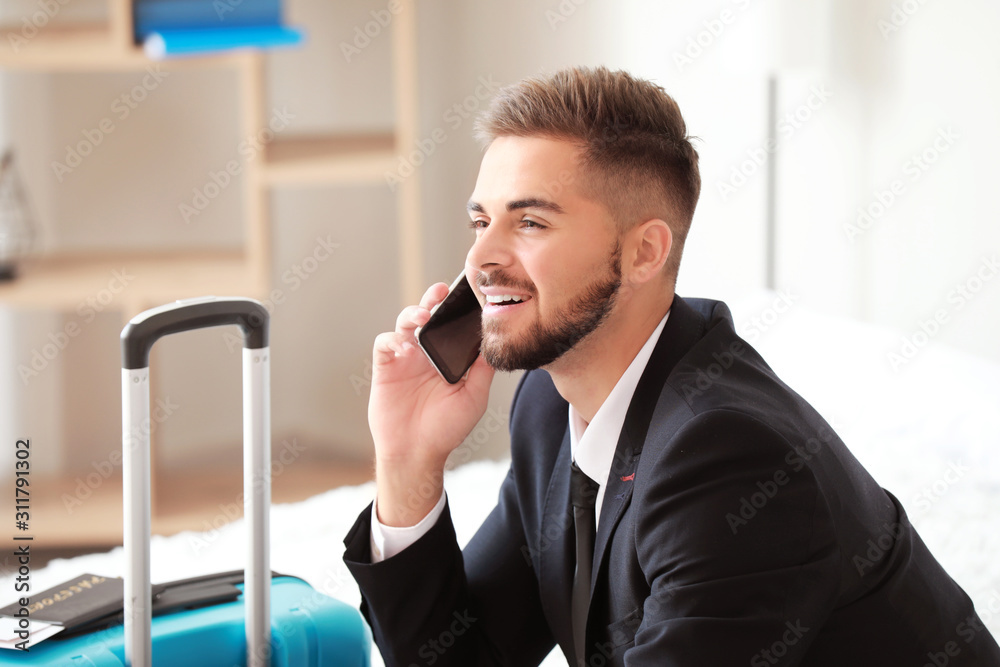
pixel 491 250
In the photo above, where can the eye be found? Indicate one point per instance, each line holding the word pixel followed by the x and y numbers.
pixel 478 224
pixel 531 224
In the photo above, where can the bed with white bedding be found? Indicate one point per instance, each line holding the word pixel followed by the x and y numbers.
pixel 927 429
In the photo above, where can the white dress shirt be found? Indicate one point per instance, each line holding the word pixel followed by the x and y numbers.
pixel 592 447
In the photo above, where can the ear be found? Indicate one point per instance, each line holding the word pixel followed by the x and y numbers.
pixel 649 245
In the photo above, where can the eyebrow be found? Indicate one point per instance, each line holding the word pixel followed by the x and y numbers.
pixel 517 204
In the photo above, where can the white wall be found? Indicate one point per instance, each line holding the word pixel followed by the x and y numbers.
pixel 943 79
pixel 897 90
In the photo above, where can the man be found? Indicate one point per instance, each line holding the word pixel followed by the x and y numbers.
pixel 733 527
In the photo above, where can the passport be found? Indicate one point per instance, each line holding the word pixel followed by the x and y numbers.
pixel 78 601
pixel 91 601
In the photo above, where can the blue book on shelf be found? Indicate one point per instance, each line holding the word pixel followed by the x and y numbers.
pixel 155 15
pixel 184 27
pixel 167 43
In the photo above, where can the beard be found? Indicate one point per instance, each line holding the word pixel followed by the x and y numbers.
pixel 544 342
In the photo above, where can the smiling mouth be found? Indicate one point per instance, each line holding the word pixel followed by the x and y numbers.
pixel 505 299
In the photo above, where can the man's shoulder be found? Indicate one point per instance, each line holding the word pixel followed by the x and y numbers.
pixel 717 368
pixel 719 375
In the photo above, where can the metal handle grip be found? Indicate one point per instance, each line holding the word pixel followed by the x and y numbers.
pixel 147 327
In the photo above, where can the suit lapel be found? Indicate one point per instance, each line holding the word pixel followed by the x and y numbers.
pixel 683 328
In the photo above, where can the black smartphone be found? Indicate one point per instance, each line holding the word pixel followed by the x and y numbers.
pixel 452 336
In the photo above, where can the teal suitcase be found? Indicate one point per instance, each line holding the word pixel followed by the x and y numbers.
pixel 279 622
pixel 307 628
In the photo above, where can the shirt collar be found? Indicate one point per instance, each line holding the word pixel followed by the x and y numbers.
pixel 593 445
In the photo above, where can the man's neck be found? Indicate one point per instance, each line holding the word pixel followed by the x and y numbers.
pixel 586 375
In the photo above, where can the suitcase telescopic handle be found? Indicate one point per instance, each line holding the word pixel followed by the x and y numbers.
pixel 137 338
pixel 147 327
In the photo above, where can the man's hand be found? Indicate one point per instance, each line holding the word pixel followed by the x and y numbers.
pixel 416 418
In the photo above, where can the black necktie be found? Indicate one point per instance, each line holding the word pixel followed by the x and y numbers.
pixel 583 496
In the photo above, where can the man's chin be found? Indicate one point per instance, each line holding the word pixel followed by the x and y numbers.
pixel 501 355
pixel 501 360
pixel 508 358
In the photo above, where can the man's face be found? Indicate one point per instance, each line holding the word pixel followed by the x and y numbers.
pixel 546 259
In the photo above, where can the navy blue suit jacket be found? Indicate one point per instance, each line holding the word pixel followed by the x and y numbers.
pixel 736 529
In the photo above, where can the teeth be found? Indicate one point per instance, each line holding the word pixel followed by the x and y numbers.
pixel 500 298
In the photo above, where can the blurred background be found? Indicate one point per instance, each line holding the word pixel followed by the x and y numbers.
pixel 848 158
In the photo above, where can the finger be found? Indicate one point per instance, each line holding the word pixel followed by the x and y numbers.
pixel 388 346
pixel 410 318
pixel 434 295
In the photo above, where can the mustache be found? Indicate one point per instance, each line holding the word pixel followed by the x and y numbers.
pixel 501 278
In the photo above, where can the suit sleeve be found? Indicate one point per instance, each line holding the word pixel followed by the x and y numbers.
pixel 736 545
pixel 433 605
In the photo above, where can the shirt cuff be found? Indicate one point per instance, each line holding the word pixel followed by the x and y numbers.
pixel 387 541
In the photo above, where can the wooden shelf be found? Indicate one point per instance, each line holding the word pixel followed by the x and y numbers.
pixel 131 281
pixel 351 158
pixel 67 47
pixel 91 48
pixel 64 516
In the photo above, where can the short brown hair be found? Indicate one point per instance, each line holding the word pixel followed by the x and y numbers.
pixel 635 144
